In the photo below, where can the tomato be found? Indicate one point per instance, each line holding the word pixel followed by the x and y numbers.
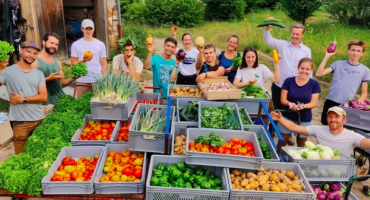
pixel 111 154
pixel 191 144
pixel 175 27
pixel 243 142
pixel 249 144
pixel 80 179
pixel 126 153
pixel 104 179
pixel 249 148
pixel 128 170
pixel 198 145
pixel 146 101
pixel 242 150
pixel 60 168
pixel 220 150
pixel 204 149
pixel 137 173
pixel 231 143
pixel 105 126
pixel 131 178
pixel 234 152
pixel 235 140
pixel 214 148
pixel 227 151
pixel 236 146
pixel 68 161
pixel 226 145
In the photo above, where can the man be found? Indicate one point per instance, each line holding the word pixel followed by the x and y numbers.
pixel 164 69
pixel 97 64
pixel 348 76
pixel 27 90
pixel 52 70
pixel 291 53
pixel 334 135
pixel 127 62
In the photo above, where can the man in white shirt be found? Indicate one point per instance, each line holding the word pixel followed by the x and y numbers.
pixel 334 135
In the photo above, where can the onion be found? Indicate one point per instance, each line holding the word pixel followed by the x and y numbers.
pixel 180 54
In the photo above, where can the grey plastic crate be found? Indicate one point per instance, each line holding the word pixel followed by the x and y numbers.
pixel 59 187
pixel 138 140
pixel 174 98
pixel 357 118
pixel 223 160
pixel 259 130
pixel 149 96
pixel 323 170
pixel 246 114
pixel 350 197
pixel 180 128
pixel 114 138
pixel 111 111
pixel 168 193
pixel 269 195
pixel 127 187
pixel 219 104
pixel 251 104
pixel 183 102
pixel 77 135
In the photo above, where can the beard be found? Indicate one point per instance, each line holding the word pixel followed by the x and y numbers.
pixel 26 61
pixel 49 50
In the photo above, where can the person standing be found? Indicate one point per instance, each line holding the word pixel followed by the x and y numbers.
pixel 164 69
pixel 52 70
pixel 97 64
pixel 291 52
pixel 208 68
pixel 27 90
pixel 348 76
pixel 226 57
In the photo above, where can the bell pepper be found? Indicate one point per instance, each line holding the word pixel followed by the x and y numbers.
pixel 186 176
pixel 192 179
pixel 217 181
pixel 170 168
pixel 189 170
pixel 199 179
pixel 213 183
pixel 212 176
pixel 207 172
pixel 163 179
pixel 182 184
pixel 218 188
pixel 165 184
pixel 197 187
pixel 199 171
pixel 175 174
pixel 181 166
pixel 157 172
pixel 206 185
pixel 154 181
pixel 166 173
pixel 188 185
pixel 161 166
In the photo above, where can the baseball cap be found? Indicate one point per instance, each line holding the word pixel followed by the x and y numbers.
pixel 87 23
pixel 337 110
pixel 30 44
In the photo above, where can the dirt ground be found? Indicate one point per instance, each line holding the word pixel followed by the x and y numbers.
pixel 146 80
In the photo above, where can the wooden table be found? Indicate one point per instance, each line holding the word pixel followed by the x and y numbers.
pixel 76 196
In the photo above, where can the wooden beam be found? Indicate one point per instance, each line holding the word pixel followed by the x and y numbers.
pixel 28 11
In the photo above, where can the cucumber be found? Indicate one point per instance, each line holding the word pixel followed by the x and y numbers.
pixel 183 110
pixel 278 24
pixel 183 116
pixel 271 20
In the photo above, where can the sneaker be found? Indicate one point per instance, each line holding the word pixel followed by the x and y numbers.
pixel 291 142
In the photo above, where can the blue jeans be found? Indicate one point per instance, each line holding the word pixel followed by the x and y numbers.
pixel 286 131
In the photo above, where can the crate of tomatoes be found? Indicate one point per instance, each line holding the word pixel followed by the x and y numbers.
pixel 120 171
pixel 121 133
pixel 94 132
pixel 73 171
pixel 147 98
pixel 223 148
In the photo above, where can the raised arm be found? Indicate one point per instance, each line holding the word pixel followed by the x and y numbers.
pixel 199 63
pixel 267 37
pixel 276 78
pixel 276 116
pixel 322 71
pixel 149 57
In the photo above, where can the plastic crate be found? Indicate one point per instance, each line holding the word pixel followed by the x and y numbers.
pixel 323 170
pixel 113 111
pixel 183 102
pixel 203 104
pixel 139 141
pixel 269 195
pixel 77 135
pixel 251 104
pixel 114 138
pixel 118 187
pixel 180 128
pixel 223 160
pixel 350 197
pixel 59 187
pixel 246 114
pixel 357 118
pixel 149 96
pixel 174 98
pixel 169 193
pixel 259 130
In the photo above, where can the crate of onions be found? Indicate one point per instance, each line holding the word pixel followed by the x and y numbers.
pixel 219 88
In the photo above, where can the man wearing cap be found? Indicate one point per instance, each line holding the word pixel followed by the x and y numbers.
pixel 97 64
pixel 334 135
pixel 27 90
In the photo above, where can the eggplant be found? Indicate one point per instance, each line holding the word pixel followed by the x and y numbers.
pixel 331 48
pixel 180 54
pixel 355 105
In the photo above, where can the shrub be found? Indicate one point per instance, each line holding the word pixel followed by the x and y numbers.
pixel 139 34
pixel 135 13
pixel 222 10
pixel 355 12
pixel 260 4
pixel 300 10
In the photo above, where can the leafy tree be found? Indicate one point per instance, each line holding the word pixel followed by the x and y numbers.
pixel 352 12
pixel 260 4
pixel 300 10
pixel 222 10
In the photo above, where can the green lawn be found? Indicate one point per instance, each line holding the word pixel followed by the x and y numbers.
pixel 321 31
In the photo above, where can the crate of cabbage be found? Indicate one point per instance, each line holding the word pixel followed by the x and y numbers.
pixel 219 115
pixel 171 179
pixel 320 163
pixel 187 109
pixel 147 129
pixel 184 91
pixel 219 88
pixel 115 96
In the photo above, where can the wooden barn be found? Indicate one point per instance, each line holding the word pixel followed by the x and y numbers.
pixel 65 16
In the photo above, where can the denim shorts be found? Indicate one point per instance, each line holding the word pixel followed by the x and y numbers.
pixel 285 131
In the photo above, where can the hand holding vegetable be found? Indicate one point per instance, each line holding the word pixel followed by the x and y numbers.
pixel 252 80
pixel 174 31
pixel 149 47
pixel 361 100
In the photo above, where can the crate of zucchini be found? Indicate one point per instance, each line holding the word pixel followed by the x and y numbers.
pixel 171 178
pixel 147 128
pixel 184 91
pixel 219 115
pixel 187 109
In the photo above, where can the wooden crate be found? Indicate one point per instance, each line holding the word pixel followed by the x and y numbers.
pixel 222 94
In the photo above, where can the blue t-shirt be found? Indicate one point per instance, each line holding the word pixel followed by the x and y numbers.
pixel 162 70
pixel 301 94
pixel 226 63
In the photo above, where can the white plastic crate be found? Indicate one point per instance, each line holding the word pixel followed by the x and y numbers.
pixel 114 138
pixel 351 195
pixel 180 128
pixel 174 98
pixel 113 111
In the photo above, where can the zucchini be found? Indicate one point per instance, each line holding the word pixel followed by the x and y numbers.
pixel 278 24
pixel 183 110
pixel 271 20
pixel 194 108
pixel 183 116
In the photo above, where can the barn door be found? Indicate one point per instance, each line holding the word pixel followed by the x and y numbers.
pixel 101 23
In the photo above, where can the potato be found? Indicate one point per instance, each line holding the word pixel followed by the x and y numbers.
pixel 274 178
pixel 235 172
pixel 290 175
pixel 248 187
pixel 275 188
pixel 176 89
pixel 276 172
pixel 183 152
pixel 176 149
pixel 261 182
pixel 261 169
pixel 254 185
pixel 250 174
pixel 266 187
pixel 260 174
pixel 283 187
pixel 297 187
pixel 283 171
pixel 239 178
pixel 184 89
pixel 196 90
pixel 233 186
pixel 251 179
pixel 244 182
pixel 236 182
pixel 191 90
pixel 244 175
pixel 183 137
pixel 232 176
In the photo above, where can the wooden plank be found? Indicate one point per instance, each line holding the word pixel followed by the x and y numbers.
pixel 101 23
pixel 235 93
pixel 28 12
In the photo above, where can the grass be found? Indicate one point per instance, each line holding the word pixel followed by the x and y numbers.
pixel 4 105
pixel 320 32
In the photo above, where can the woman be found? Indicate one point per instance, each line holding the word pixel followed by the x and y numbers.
pixel 187 72
pixel 226 57
pixel 208 68
pixel 299 93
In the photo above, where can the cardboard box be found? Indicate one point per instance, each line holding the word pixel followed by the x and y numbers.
pixel 222 94
pixel 6 134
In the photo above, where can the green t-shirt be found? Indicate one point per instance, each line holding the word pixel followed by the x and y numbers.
pixel 162 70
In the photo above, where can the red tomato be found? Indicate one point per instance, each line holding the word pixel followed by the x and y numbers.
pixel 146 101
pixel 235 140
pixel 231 143
pixel 236 146
pixel 214 148
pixel 68 161
pixel 227 151
pixel 61 168
pixel 249 148
pixel 128 170
pixel 137 173
pixel 220 150
pixel 175 27
pixel 234 152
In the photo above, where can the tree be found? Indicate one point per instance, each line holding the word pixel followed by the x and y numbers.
pixel 300 10
pixel 221 10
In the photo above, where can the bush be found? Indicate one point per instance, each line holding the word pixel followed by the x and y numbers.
pixel 186 13
pixel 139 34
pixel 355 12
pixel 222 10
pixel 136 13
pixel 300 10
pixel 260 4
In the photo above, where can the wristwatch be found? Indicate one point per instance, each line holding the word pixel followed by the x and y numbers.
pixel 24 100
pixel 206 74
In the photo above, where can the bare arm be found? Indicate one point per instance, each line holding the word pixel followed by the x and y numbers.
pixel 240 84
pixel 104 65
pixel 284 97
pixel 42 96
pixel 276 78
pixel 199 63
pixel 321 70
pixel 276 116
pixel 149 57
pixel 75 60
pixel 363 96
pixel 131 69
pixel 313 102
pixel 219 72
pixel 64 82
pixel 365 143
pixel 174 72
